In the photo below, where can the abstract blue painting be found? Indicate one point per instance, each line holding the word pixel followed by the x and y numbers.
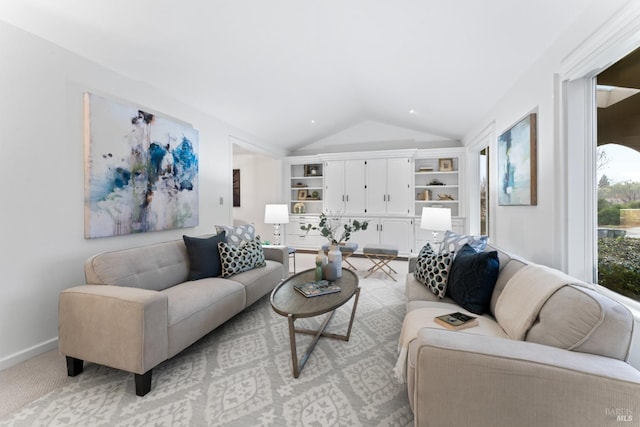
pixel 517 164
pixel 141 170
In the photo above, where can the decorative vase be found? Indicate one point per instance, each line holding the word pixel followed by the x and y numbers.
pixel 333 270
pixel 321 262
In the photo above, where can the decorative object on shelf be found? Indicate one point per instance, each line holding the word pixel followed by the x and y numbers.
pixel 300 184
pixel 425 169
pixel 276 215
pixel 299 208
pixel 312 170
pixel 445 165
pixel 314 194
pixel 426 194
pixel 436 220
pixel 420 196
pixel 330 225
pixel 445 197
pixel 517 163
pixel 302 194
pixel 435 182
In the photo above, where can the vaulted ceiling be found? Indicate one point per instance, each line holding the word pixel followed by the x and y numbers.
pixel 291 72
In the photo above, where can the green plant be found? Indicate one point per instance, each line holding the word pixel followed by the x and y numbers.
pixel 335 229
pixel 619 265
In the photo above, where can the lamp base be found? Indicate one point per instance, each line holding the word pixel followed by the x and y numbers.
pixel 276 234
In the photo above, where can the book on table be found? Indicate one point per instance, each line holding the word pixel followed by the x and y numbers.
pixel 456 320
pixel 314 289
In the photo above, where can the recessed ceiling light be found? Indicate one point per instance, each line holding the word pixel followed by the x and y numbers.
pixel 313 122
pixel 412 111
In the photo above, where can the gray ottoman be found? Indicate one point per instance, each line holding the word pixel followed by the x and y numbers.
pixel 381 256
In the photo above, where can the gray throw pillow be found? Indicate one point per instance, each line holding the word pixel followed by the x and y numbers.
pixel 453 242
pixel 432 270
pixel 238 234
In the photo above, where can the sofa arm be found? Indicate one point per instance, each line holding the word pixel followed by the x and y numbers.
pixel 279 254
pixel 121 327
pixel 466 379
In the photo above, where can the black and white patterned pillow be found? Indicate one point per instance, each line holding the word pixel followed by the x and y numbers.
pixel 432 269
pixel 247 256
pixel 453 242
pixel 238 234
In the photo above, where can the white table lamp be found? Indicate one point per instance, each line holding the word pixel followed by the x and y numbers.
pixel 276 215
pixel 436 220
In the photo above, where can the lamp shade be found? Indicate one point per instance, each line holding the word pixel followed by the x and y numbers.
pixel 436 219
pixel 276 214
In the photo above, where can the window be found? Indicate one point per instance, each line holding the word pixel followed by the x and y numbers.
pixel 618 177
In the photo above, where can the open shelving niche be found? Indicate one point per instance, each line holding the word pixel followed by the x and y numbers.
pixel 434 187
pixel 307 178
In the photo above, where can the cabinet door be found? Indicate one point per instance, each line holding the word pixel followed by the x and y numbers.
pixel 376 181
pixel 354 182
pixel 334 197
pixel 398 186
pixel 397 232
pixel 369 236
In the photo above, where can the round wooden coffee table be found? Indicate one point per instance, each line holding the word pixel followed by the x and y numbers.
pixel 290 303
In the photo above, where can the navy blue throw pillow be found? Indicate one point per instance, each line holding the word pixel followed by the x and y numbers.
pixel 204 258
pixel 472 278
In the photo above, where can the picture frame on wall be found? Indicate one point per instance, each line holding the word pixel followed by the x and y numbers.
pixel 445 165
pixel 236 188
pixel 517 164
pixel 302 194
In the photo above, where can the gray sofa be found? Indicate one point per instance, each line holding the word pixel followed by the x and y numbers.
pixel 567 365
pixel 139 308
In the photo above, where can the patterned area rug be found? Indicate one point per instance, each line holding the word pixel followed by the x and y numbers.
pixel 241 375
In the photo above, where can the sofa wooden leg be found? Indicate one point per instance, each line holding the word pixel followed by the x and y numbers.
pixel 74 366
pixel 143 383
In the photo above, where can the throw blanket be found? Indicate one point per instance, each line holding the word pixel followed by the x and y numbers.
pixel 413 322
pixel 524 295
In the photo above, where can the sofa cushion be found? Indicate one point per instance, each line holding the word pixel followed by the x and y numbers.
pixel 453 242
pixel 432 270
pixel 238 234
pixel 204 257
pixel 472 279
pixel 580 319
pixel 235 260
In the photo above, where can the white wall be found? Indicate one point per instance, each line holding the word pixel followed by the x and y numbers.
pixel 540 232
pixel 260 183
pixel 41 225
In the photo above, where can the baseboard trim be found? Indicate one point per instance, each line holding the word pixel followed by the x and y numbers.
pixel 28 353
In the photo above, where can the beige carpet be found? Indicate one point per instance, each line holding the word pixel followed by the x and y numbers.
pixel 30 380
pixel 352 376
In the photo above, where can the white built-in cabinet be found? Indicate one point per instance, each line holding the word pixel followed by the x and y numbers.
pixel 345 186
pixel 386 188
pixel 388 183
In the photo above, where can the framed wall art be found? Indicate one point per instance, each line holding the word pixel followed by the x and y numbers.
pixel 141 170
pixel 236 188
pixel 517 164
